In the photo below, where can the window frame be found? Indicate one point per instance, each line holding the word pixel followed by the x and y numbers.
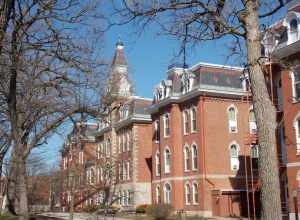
pixel 195 196
pixel 185 115
pixel 193 119
pixel 166 118
pixel 157 164
pixel 194 148
pixel 232 123
pixel 167 194
pixel 187 194
pixel 167 160
pixel 186 158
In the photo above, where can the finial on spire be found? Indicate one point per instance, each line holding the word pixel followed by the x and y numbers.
pixel 120 44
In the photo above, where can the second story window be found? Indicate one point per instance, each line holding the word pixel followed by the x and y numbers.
pixel 194 157
pixel 157 164
pixel 81 157
pixel 167 160
pixel 297 133
pixel 252 122
pixel 156 131
pixel 185 122
pixel 166 125
pixel 193 119
pixel 186 158
pixel 232 119
pixel 234 157
pixel 296 84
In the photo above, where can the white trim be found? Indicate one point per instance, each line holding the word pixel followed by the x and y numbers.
pixel 192 152
pixel 294 164
pixel 165 161
pixel 196 66
pixel 185 157
pixel 191 118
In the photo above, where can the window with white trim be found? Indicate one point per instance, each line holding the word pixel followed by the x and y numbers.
pixel 167 160
pixel 186 154
pixel 157 191
pixel 166 125
pixel 108 146
pixel 232 119
pixel 254 156
pixel 125 142
pixel 120 143
pixel 157 164
pixel 195 193
pixel 185 122
pixel 194 157
pixel 234 157
pixel 297 130
pixel 156 131
pixel 167 193
pixel 296 84
pixel 187 194
pixel 252 122
pixel 193 119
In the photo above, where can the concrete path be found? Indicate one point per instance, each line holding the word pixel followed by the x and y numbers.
pixel 80 216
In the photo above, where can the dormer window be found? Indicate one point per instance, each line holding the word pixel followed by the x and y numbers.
pixel 294 25
pixel 123 112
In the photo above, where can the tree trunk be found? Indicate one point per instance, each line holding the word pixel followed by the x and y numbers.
pixel 266 119
pixel 17 185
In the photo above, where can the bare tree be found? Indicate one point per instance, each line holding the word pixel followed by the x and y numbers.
pixel 197 21
pixel 49 74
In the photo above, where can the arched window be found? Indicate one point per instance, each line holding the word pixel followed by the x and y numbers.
pixel 193 119
pixel 254 156
pixel 167 160
pixel 234 157
pixel 234 151
pixel 294 25
pixel 157 163
pixel 185 122
pixel 254 151
pixel 232 114
pixel 157 194
pixel 195 193
pixel 232 119
pixel 296 83
pixel 186 158
pixel 252 122
pixel 167 193
pixel 187 194
pixel 166 125
pixel 194 157
pixel 156 131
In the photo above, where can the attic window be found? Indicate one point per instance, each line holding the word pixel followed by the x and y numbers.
pixel 294 25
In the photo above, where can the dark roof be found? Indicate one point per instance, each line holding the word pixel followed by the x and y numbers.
pixel 119 57
pixel 221 79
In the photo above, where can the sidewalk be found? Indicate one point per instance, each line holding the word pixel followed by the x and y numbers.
pixel 80 216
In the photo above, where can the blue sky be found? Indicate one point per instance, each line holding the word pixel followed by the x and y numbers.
pixel 148 56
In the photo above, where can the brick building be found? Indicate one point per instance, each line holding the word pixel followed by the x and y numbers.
pixel 194 145
pixel 112 154
pixel 204 137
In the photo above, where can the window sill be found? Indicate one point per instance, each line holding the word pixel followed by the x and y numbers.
pixel 195 169
pixel 195 203
pixel 193 132
pixel 186 171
